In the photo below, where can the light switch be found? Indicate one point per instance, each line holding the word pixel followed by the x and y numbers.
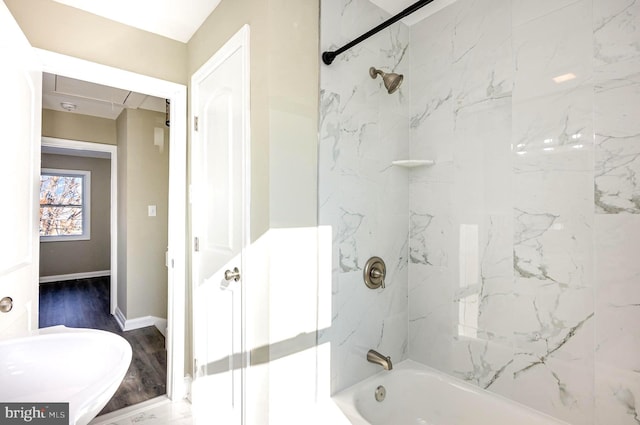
pixel 152 210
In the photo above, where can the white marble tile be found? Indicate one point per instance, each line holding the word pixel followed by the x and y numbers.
pixel 365 199
pixel 431 316
pixel 482 52
pixel 617 396
pixel 616 31
pixel 495 287
pixel 553 254
pixel 525 10
pixel 500 235
pixel 554 132
pixel 554 45
pixel 432 130
pixel 482 158
pixel 617 146
pixel 560 388
pixel 432 50
pixel 618 293
pixel 483 363
pixel 428 239
pixel 342 21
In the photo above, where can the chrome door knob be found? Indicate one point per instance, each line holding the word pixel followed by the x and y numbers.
pixel 232 274
pixel 6 304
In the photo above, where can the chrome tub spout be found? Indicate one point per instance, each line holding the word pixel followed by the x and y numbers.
pixel 374 357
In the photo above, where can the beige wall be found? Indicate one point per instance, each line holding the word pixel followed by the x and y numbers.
pixel 59 258
pixel 144 170
pixel 224 22
pixel 293 81
pixel 284 103
pixel 284 112
pixel 59 28
pixel 71 126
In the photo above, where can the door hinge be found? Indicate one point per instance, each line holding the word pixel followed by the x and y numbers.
pixel 196 244
pixel 195 123
pixel 195 367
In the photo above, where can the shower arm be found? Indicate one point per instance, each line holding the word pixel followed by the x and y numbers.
pixel 328 57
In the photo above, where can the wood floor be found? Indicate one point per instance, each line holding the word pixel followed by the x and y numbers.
pixel 84 303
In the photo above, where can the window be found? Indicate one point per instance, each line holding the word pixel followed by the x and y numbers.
pixel 64 205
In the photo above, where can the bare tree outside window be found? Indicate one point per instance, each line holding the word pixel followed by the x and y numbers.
pixel 63 204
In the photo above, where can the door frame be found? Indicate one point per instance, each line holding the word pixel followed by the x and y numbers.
pixel 80 69
pixel 112 150
pixel 239 41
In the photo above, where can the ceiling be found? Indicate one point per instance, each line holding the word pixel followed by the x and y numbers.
pixel 175 19
pixel 169 18
pixel 172 19
pixel 93 99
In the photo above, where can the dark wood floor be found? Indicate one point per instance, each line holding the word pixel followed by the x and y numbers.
pixel 84 303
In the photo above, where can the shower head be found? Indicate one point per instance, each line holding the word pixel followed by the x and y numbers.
pixel 391 80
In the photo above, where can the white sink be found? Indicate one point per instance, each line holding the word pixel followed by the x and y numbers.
pixel 83 367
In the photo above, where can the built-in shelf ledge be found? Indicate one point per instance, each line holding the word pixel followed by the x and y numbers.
pixel 413 163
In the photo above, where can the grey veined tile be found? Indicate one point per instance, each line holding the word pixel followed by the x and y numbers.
pixel 617 148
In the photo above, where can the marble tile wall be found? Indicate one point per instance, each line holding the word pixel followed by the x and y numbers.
pixel 363 198
pixel 518 269
pixel 616 42
pixel 522 276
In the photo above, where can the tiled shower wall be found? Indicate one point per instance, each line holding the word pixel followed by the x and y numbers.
pixel 523 274
pixel 521 259
pixel 362 197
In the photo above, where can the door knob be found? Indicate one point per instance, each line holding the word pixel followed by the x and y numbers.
pixel 232 274
pixel 6 304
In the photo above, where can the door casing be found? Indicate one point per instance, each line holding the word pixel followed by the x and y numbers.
pixel 80 69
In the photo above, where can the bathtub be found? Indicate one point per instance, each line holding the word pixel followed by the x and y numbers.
pixel 82 367
pixel 419 395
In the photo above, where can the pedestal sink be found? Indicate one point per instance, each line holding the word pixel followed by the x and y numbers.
pixel 82 367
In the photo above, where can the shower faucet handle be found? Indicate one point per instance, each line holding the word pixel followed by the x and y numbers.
pixel 375 272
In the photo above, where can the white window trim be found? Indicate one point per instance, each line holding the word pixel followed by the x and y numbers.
pixel 86 205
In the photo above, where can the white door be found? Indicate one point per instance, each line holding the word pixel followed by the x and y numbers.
pixel 220 229
pixel 20 120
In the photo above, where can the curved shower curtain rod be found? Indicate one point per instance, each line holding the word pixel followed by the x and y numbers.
pixel 328 57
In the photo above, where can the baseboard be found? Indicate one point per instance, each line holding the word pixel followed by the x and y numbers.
pixel 74 276
pixel 120 318
pixel 187 386
pixel 140 322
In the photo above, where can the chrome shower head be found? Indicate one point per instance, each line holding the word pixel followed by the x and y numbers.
pixel 391 80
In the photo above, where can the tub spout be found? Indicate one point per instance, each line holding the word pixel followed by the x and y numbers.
pixel 374 357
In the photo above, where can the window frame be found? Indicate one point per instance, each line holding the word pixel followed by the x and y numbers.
pixel 86 204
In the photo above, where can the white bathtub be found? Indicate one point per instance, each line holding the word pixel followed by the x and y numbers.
pixel 82 367
pixel 419 395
